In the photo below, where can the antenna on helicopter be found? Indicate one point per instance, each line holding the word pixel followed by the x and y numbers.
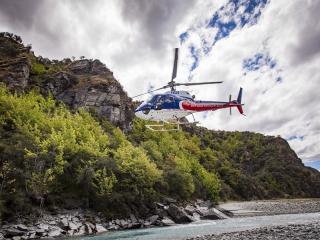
pixel 172 84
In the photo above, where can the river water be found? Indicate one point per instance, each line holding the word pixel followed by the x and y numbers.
pixel 206 227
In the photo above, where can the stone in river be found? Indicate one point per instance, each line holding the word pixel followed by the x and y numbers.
pixel 100 228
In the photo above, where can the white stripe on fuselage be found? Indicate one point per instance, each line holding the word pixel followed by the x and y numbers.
pixel 164 114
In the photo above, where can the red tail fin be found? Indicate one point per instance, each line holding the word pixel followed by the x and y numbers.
pixel 240 109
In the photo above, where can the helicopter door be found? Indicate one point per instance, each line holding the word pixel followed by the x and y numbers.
pixel 168 102
pixel 159 102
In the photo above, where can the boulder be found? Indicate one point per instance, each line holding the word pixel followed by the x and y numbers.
pixel 204 204
pixel 72 226
pixel 153 219
pixel 113 227
pixel 32 235
pixel 81 231
pixel 179 215
pixel 123 223
pixel 133 218
pixel 167 222
pixel 211 214
pixel 16 238
pixel 190 209
pixel 71 232
pixel 169 200
pixel 99 228
pixel 54 233
pixel 22 227
pixel 12 232
pixel 43 226
pixel 64 223
pixel 89 227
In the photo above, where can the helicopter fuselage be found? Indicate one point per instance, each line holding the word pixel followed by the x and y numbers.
pixel 171 107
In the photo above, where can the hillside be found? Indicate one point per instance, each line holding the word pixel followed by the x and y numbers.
pixel 68 139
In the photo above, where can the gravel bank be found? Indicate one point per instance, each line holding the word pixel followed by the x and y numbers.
pixel 309 231
pixel 274 207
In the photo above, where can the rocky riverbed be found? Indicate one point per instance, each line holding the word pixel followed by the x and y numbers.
pixel 271 207
pixel 309 231
pixel 79 222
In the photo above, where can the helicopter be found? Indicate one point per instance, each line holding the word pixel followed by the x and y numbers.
pixel 171 108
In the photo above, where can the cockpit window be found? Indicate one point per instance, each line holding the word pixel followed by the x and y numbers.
pixel 160 99
pixel 169 99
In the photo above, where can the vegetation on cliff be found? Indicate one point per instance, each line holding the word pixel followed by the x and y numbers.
pixel 52 157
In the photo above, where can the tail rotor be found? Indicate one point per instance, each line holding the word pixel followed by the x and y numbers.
pixel 229 103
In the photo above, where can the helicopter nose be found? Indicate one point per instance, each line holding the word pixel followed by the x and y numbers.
pixel 139 114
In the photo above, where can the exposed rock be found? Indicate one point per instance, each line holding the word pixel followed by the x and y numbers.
pixel 55 233
pixel 133 218
pixel 113 227
pixel 100 228
pixel 32 235
pixel 64 223
pixel 179 215
pixel 211 214
pixel 22 227
pixel 43 226
pixel 81 231
pixel 153 219
pixel 73 226
pixel 11 232
pixel 16 238
pixel 167 222
pixel 89 227
pixel 70 232
pixel 190 209
pixel 169 200
pixel 80 66
pixel 82 83
pixel 204 204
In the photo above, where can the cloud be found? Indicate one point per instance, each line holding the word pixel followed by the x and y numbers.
pixel 156 20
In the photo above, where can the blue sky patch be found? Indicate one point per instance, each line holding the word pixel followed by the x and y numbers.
pixel 314 164
pixel 257 61
pixel 195 58
pixel 295 137
pixel 235 14
pixel 183 37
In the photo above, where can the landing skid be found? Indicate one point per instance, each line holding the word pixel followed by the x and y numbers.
pixel 163 127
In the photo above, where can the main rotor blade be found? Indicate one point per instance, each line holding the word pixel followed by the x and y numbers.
pixel 151 91
pixel 198 83
pixel 175 63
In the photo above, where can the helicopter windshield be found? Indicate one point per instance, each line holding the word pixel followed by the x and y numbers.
pixel 153 99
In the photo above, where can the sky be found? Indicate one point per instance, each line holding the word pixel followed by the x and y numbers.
pixel 271 48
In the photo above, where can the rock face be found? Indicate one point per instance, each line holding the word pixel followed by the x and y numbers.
pixel 15 65
pixel 79 84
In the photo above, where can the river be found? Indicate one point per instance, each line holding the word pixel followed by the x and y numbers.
pixel 206 227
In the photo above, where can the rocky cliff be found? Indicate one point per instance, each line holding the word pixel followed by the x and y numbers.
pixel 80 83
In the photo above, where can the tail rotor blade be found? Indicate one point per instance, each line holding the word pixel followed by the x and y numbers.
pixel 229 103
